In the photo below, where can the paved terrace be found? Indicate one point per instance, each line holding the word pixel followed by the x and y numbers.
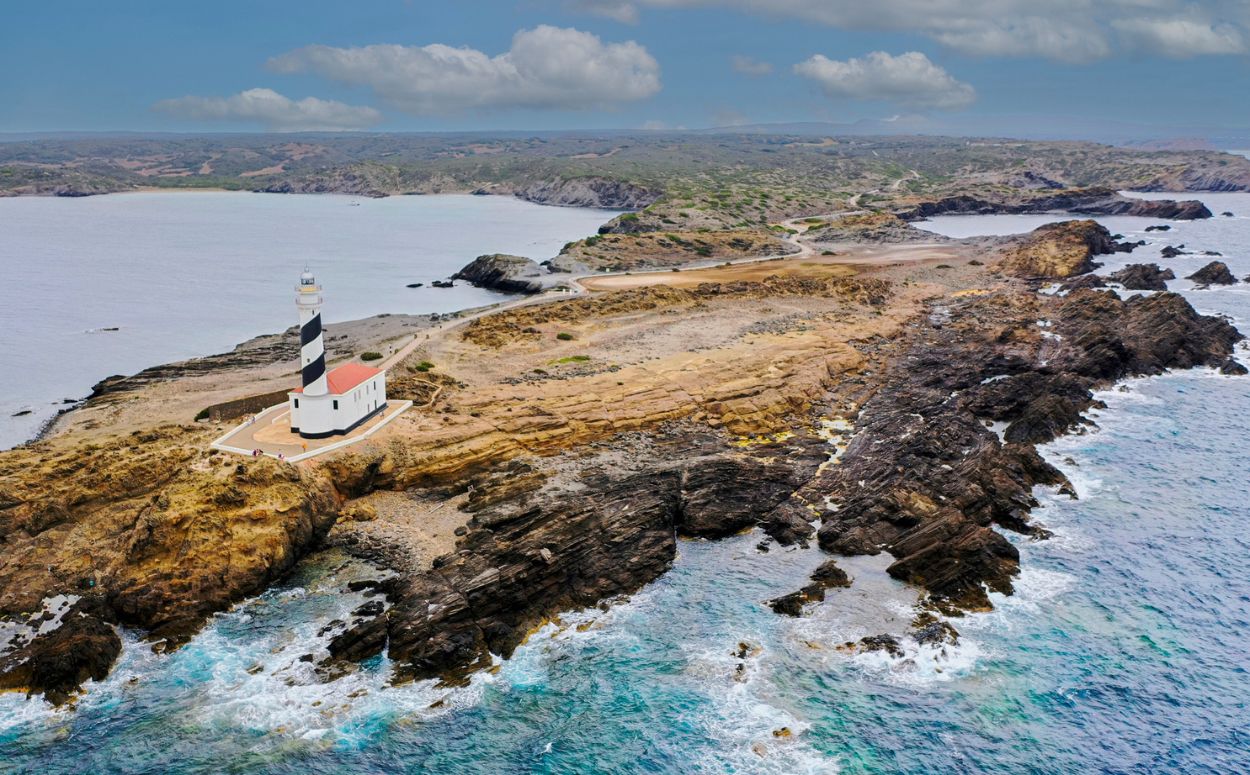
pixel 270 432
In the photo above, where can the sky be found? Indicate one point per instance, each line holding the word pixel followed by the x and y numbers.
pixel 1164 68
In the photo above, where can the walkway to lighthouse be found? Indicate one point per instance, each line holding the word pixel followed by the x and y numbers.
pixel 270 432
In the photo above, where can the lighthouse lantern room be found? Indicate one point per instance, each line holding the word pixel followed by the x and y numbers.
pixel 335 401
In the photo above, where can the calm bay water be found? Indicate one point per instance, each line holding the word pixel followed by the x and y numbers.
pixel 1123 652
pixel 184 274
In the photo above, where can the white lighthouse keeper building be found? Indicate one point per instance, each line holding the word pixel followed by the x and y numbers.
pixel 334 402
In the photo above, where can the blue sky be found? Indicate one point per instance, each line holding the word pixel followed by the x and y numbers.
pixel 992 66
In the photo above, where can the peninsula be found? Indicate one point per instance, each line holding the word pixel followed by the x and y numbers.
pixel 764 348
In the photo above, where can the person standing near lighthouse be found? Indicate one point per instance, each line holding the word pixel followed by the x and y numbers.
pixel 312 350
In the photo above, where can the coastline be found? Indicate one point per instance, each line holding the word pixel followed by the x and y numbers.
pixel 693 452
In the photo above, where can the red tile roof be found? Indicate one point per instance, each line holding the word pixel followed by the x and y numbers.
pixel 344 378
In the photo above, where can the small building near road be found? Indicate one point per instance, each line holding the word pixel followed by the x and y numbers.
pixel 331 403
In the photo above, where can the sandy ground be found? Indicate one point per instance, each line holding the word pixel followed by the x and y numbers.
pixel 180 400
pixel 628 366
pixel 411 529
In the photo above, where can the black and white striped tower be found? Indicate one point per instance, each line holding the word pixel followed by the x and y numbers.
pixel 312 352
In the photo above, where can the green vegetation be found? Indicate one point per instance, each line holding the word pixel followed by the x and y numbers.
pixel 564 336
pixel 371 355
pixel 717 181
pixel 423 366
pixel 571 359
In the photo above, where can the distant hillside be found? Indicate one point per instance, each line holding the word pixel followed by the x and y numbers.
pixel 734 179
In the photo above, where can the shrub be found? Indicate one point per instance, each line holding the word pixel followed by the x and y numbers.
pixel 371 355
pixel 564 336
pixel 424 366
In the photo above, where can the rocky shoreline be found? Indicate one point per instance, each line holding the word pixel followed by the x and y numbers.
pixel 573 498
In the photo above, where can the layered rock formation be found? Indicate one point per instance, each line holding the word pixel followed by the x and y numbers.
pixel 1086 201
pixel 589 191
pixel 152 531
pixel 1214 273
pixel 504 273
pixel 931 499
pixel 1058 250
pixel 1143 277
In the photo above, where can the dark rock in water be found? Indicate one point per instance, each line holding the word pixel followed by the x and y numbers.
pixel 1212 253
pixel 707 514
pixel 21 413
pixel 443 284
pixel 1227 214
pixel 1171 252
pixel 371 608
pixel 1233 368
pixel 1214 273
pixel 1084 281
pixel 830 575
pixel 56 663
pixel 1143 277
pixel 887 643
pixel 1163 227
pixel 932 501
pixel 502 272
pixel 792 604
pixel 936 633
pixel 414 285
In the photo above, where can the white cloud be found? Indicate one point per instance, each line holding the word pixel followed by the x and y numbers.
pixel 909 79
pixel 274 111
pixel 620 10
pixel 546 68
pixel 1182 38
pixel 1063 30
pixel 748 66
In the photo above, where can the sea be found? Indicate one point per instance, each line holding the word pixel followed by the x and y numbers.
pixel 1124 649
pixel 104 285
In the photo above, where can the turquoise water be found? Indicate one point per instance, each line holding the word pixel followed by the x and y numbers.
pixel 1124 650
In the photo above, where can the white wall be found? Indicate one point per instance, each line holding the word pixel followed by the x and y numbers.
pixel 318 415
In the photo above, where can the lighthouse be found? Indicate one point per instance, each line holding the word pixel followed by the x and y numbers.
pixel 312 351
pixel 333 402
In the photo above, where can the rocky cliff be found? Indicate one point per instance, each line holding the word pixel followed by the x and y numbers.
pixel 151 531
pixel 1058 250
pixel 1089 201
pixel 503 273
pixel 589 192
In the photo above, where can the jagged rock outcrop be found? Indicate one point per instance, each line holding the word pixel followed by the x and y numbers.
pixel 1085 201
pixel 530 555
pixel 1058 250
pixel 157 530
pixel 589 192
pixel 931 499
pixel 1214 273
pixel 504 273
pixel 1090 281
pixel 1143 277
